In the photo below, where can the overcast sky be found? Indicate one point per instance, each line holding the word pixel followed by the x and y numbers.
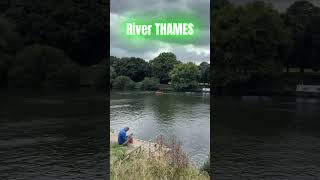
pixel 197 51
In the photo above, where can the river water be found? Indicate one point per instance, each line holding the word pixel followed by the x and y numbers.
pixel 184 116
pixel 266 138
pixel 53 135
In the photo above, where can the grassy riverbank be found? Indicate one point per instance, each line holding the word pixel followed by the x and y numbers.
pixel 144 168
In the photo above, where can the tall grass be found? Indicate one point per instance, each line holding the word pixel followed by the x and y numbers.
pixel 172 166
pixel 117 151
pixel 140 167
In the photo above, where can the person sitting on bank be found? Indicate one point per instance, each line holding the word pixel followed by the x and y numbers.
pixel 123 139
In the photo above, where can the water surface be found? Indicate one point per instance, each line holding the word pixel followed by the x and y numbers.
pixel 185 116
pixel 53 135
pixel 266 138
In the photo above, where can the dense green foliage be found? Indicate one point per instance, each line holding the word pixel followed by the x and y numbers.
pixel 184 77
pixel 135 68
pixel 150 83
pixel 9 44
pixel 299 17
pixel 249 43
pixel 72 25
pixel 123 83
pixel 39 65
pixel 254 43
pixel 42 43
pixel 162 65
pixel 204 72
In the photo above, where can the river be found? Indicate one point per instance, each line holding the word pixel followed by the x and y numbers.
pixel 183 116
pixel 266 138
pixel 52 135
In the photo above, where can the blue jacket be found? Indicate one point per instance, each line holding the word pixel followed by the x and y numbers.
pixel 122 137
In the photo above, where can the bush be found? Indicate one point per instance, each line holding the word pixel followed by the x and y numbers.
pixel 39 65
pixel 150 83
pixel 67 76
pixel 123 83
pixel 118 151
pixel 9 38
pixel 206 166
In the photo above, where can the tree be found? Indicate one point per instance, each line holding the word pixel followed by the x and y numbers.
pixel 219 4
pixel 73 25
pixel 135 68
pixel 9 38
pixel 312 35
pixel 9 44
pixel 39 65
pixel 298 18
pixel 123 83
pixel 205 72
pixel 185 76
pixel 162 65
pixel 113 75
pixel 248 43
pixel 150 83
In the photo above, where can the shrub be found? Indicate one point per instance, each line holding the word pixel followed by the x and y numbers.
pixel 39 65
pixel 67 76
pixel 117 151
pixel 150 83
pixel 206 166
pixel 123 83
pixel 142 166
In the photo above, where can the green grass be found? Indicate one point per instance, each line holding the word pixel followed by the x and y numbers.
pixel 143 168
pixel 117 151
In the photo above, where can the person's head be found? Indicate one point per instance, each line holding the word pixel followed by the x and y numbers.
pixel 126 129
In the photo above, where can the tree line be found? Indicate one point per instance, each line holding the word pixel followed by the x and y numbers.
pixel 130 73
pixel 46 43
pixel 255 43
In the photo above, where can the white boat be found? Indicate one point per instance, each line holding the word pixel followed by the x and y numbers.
pixel 205 89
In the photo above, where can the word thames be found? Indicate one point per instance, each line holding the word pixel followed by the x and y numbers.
pixel 162 29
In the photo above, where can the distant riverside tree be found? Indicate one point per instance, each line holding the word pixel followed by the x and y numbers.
pixel 313 42
pixel 185 76
pixel 135 68
pixel 38 65
pixel 298 17
pixel 113 75
pixel 204 72
pixel 9 38
pixel 150 83
pixel 123 83
pixel 9 44
pixel 74 26
pixel 218 4
pixel 249 43
pixel 162 65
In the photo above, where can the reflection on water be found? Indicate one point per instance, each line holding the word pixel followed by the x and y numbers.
pixel 266 138
pixel 186 116
pixel 53 135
